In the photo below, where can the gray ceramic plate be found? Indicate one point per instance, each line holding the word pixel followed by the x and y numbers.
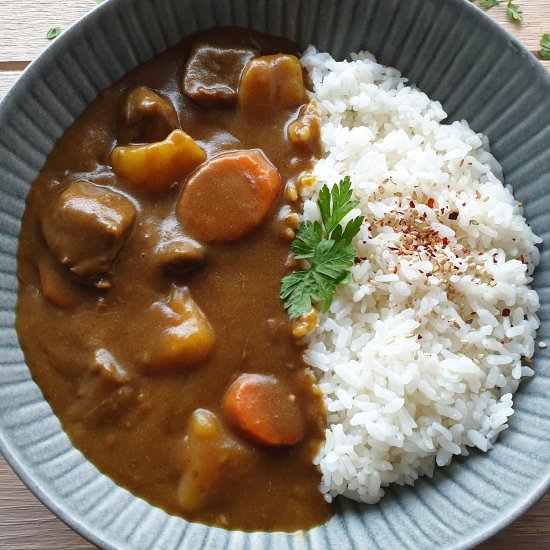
pixel 455 54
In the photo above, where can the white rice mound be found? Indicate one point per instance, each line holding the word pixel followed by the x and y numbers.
pixel 419 356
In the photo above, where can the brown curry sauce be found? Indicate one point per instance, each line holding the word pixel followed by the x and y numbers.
pixel 87 351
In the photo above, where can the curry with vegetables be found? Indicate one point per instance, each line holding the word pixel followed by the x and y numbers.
pixel 151 253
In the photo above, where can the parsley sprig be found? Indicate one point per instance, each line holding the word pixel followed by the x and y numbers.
pixel 545 46
pixel 513 11
pixel 54 32
pixel 328 250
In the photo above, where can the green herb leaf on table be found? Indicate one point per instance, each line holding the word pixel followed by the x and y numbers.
pixel 54 32
pixel 488 4
pixel 545 46
pixel 514 12
pixel 328 249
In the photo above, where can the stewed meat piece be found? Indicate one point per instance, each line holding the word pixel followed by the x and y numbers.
pixel 86 227
pixel 145 116
pixel 212 73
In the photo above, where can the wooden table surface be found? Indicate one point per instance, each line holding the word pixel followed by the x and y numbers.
pixel 24 522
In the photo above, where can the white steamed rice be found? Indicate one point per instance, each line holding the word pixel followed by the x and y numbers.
pixel 419 356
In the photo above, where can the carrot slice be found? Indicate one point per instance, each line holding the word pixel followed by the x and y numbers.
pixel 264 410
pixel 229 196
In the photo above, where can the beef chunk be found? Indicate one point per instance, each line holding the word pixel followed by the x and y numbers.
pixel 105 393
pixel 86 227
pixel 146 117
pixel 212 73
pixel 180 254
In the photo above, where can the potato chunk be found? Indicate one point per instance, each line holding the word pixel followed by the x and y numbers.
pixel 272 81
pixel 181 338
pixel 212 73
pixel 213 462
pixel 155 167
pixel 305 131
pixel 86 228
pixel 145 116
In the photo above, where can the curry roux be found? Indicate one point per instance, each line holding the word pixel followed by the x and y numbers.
pixel 132 423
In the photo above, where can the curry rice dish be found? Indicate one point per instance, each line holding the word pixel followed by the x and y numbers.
pixel 151 256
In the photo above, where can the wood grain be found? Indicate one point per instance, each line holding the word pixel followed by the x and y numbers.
pixel 25 523
pixel 7 78
pixel 24 24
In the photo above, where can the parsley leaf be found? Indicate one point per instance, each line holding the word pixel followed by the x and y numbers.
pixel 296 291
pixel 308 236
pixel 54 32
pixel 328 249
pixel 488 4
pixel 545 46
pixel 514 12
pixel 335 204
pixel 333 258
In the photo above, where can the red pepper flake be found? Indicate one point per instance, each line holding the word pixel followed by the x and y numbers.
pixel 453 215
pixel 366 219
pixel 466 251
pixel 395 269
pixel 445 242
pixel 431 202
pixel 369 227
pixel 505 312
pixel 411 204
pixel 522 259
pixel 382 223
pixel 395 230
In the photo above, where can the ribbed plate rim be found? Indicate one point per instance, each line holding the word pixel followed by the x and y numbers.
pixel 39 65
